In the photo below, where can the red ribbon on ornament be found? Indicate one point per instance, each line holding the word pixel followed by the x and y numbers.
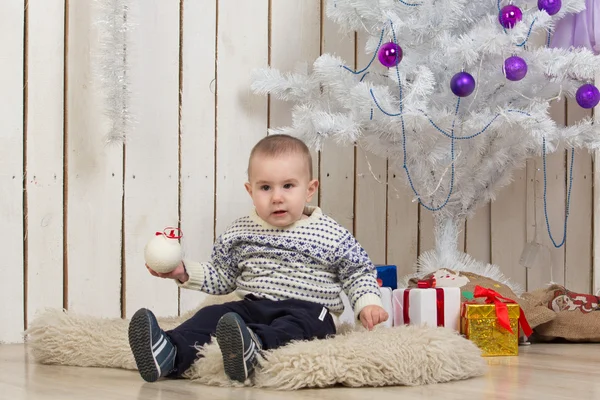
pixel 171 234
pixel 491 296
pixel 439 300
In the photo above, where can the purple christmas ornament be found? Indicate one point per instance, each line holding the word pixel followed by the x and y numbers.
pixel 390 54
pixel 462 84
pixel 550 6
pixel 515 68
pixel 509 16
pixel 587 96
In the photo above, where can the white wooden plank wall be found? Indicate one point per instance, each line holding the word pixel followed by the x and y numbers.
pixel 152 151
pixel 12 306
pixel 93 182
pixel 552 269
pixel 578 261
pixel 197 129
pixel 242 46
pixel 508 228
pixel 337 163
pixel 44 156
pixel 77 213
pixel 596 211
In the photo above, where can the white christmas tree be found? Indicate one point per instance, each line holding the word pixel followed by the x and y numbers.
pixel 456 95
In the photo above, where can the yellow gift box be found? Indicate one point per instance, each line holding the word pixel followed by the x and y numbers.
pixel 479 323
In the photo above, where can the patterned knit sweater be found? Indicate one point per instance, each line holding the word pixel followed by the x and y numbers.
pixel 314 259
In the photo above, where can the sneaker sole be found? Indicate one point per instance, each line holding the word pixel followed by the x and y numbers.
pixel 140 341
pixel 229 337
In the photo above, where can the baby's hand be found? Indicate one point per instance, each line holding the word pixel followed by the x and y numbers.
pixel 178 273
pixel 372 315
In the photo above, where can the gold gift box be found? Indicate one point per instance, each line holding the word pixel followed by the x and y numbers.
pixel 479 324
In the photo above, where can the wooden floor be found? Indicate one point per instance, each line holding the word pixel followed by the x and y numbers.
pixel 547 371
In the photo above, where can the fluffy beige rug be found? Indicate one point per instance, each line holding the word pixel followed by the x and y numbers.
pixel 406 355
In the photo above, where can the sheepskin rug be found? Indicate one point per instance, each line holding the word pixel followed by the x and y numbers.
pixel 407 355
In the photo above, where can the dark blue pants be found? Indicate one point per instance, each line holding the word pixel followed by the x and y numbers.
pixel 276 323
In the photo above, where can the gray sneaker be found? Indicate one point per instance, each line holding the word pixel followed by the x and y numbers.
pixel 153 351
pixel 239 346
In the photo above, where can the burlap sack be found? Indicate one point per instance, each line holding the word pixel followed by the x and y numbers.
pixel 536 314
pixel 577 316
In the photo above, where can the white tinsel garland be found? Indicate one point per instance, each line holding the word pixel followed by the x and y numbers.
pixel 112 19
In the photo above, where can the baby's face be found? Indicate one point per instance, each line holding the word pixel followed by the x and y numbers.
pixel 280 187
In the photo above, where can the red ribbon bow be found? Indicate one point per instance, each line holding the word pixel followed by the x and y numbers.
pixel 171 234
pixel 501 310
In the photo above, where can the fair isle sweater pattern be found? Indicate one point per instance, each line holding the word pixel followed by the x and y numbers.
pixel 313 260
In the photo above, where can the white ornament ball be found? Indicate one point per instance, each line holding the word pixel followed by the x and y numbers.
pixel 163 253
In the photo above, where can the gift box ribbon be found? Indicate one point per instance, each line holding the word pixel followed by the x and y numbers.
pixel 491 296
pixel 439 295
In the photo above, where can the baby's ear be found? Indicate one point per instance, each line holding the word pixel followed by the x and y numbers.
pixel 312 189
pixel 248 188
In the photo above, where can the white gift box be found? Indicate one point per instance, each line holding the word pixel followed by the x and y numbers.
pixel 386 298
pixel 432 307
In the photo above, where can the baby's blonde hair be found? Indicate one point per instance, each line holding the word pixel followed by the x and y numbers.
pixel 280 144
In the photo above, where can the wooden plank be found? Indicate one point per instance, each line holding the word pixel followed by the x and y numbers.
pixel 197 127
pixel 402 223
pixel 596 212
pixel 596 222
pixel 462 236
pixel 152 153
pixel 578 248
pixel 304 18
pixel 337 162
pixel 478 234
pixel 12 307
pixel 371 181
pixel 426 230
pixel 551 270
pixel 289 52
pixel 241 115
pixel 508 215
pixel 371 219
pixel 45 85
pixel 94 180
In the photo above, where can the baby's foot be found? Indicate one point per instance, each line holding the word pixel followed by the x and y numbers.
pixel 239 346
pixel 153 351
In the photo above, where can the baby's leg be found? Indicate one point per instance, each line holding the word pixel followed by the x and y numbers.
pixel 197 331
pixel 267 325
pixel 279 322
pixel 152 350
pixel 169 354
